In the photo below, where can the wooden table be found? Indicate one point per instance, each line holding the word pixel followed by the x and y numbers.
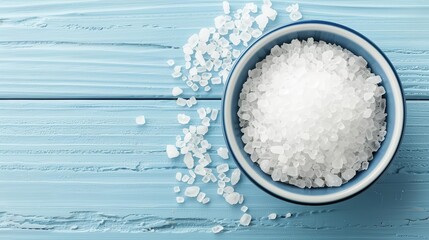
pixel 74 74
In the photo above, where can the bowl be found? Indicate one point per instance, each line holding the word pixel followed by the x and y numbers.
pixel 360 46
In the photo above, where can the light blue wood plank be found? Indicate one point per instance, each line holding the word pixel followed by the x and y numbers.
pixel 118 49
pixel 84 167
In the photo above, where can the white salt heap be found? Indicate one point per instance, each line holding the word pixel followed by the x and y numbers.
pixel 312 114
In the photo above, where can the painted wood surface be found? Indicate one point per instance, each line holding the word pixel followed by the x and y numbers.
pixel 83 169
pixel 118 49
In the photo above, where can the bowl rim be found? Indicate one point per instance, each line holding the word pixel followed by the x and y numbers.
pixel 359 188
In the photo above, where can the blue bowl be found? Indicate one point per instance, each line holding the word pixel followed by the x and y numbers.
pixel 346 38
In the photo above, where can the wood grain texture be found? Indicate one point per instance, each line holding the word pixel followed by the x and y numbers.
pixel 118 49
pixel 84 170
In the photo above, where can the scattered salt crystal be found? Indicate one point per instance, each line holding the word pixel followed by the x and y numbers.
pixel 176 189
pixel 172 151
pixel 226 8
pixel 201 112
pixel 244 208
pixel 232 198
pixel 235 176
pixel 235 53
pixel 202 130
pixel 216 80
pixel 140 120
pixel 179 176
pixel 170 62
pixel 192 173
pixel 245 219
pixel 288 215
pixel 183 118
pixel 193 100
pixel 221 168
pixel 295 16
pixel 176 91
pixel 217 229
pixel 206 200
pixel 228 189
pixel 188 160
pixel 185 178
pixel 213 115
pixel 223 153
pixel 241 199
pixel 205 121
pixel 269 12
pixel 292 8
pixel 262 21
pixel 181 102
pixel 180 200
pixel 192 191
pixel 272 216
pixel 201 196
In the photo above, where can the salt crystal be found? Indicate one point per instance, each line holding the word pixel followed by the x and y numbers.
pixel 213 115
pixel 192 191
pixel 180 200
pixel 223 152
pixel 201 112
pixel 192 173
pixel 235 176
pixel 170 62
pixel 232 198
pixel 189 160
pixel 181 102
pixel 288 215
pixel 235 53
pixel 172 151
pixel 201 196
pixel 244 208
pixel 176 189
pixel 206 200
pixel 262 21
pixel 269 12
pixel 185 178
pixel 179 176
pixel 292 8
pixel 217 229
pixel 226 8
pixel 193 100
pixel 295 16
pixel 176 91
pixel 272 216
pixel 204 34
pixel 140 120
pixel 245 219
pixel 221 168
pixel 202 130
pixel 190 181
pixel 183 118
pixel 216 80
